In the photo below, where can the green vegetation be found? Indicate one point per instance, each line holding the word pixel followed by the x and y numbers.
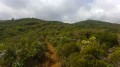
pixel 90 43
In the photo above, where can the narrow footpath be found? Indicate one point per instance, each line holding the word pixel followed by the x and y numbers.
pixel 53 62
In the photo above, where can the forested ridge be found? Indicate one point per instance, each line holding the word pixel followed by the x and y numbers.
pixel 31 42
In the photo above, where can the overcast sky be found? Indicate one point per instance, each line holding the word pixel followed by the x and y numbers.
pixel 61 10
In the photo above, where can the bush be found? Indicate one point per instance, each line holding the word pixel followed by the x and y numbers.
pixel 114 58
pixel 25 52
pixel 109 39
pixel 101 63
pixel 78 60
pixel 94 51
pixel 66 49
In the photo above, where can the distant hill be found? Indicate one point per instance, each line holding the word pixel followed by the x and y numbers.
pixel 88 24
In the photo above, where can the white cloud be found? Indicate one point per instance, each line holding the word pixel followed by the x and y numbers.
pixel 106 10
pixel 61 10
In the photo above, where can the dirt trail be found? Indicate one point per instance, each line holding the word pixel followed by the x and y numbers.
pixel 53 62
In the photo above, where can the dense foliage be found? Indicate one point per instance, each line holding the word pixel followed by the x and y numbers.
pixel 23 43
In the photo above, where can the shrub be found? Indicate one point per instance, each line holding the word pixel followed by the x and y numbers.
pixel 94 51
pixel 25 52
pixel 109 39
pixel 114 58
pixel 66 49
pixel 78 60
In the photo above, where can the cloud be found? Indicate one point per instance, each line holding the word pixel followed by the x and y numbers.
pixel 107 10
pixel 16 4
pixel 62 10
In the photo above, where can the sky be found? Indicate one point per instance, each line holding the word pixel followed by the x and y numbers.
pixel 69 11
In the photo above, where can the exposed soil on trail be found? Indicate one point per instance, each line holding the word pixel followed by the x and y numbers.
pixel 53 60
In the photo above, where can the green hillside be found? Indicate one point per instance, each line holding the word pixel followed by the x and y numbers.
pixel 27 42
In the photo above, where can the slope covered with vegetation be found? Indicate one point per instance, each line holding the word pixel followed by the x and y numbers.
pixel 26 43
